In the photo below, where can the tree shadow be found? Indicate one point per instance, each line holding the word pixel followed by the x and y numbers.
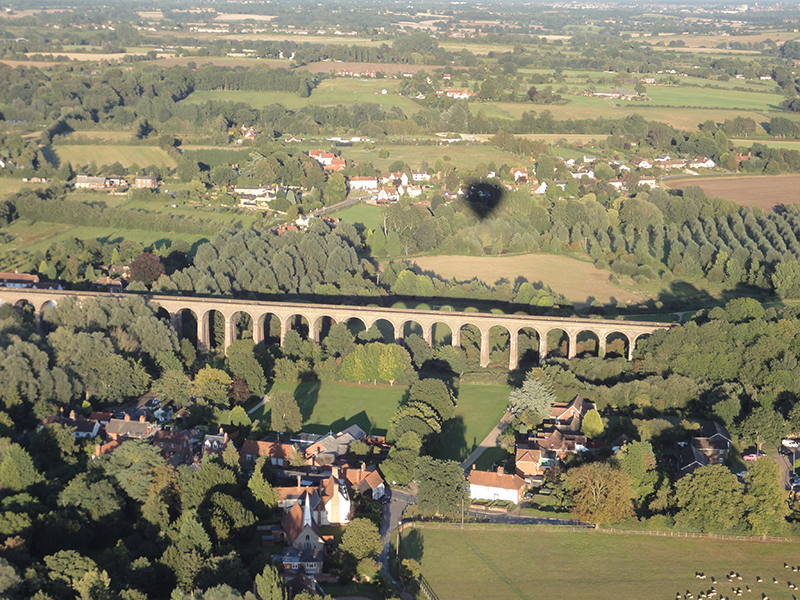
pixel 452 444
pixel 412 545
pixel 306 394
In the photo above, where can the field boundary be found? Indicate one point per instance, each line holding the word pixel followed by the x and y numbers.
pixel 574 528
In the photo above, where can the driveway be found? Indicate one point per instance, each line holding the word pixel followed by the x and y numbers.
pixel 490 441
pixel 785 464
pixel 392 515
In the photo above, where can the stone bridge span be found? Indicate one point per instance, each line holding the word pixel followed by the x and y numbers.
pixel 285 312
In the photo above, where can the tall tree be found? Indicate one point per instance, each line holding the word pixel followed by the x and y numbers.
pixel 284 413
pixel 442 486
pixel 601 493
pixel 710 499
pixel 260 488
pixel 269 585
pixel 764 499
pixel 533 396
pixel 361 539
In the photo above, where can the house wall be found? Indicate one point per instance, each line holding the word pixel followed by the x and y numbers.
pixel 482 492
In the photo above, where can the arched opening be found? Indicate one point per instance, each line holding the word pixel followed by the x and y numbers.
pixel 243 325
pixel 587 343
pixel 498 345
pixel 26 311
pixel 412 327
pixel 163 314
pixel 470 337
pixel 639 338
pixel 268 326
pixel 617 345
pixel 441 334
pixel 381 330
pixel 355 326
pixel 216 330
pixel 557 343
pixel 299 324
pixel 323 327
pixel 43 310
pixel 527 348
pixel 188 325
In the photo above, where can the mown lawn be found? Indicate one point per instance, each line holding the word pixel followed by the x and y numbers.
pixel 533 563
pixel 364 215
pixel 335 406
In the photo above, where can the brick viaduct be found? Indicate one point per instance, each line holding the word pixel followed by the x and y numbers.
pixel 259 311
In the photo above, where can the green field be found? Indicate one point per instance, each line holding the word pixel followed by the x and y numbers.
pixel 335 406
pixel 107 155
pixel 340 90
pixel 710 98
pixel 462 157
pixel 533 563
pixel 361 215
pixel 582 107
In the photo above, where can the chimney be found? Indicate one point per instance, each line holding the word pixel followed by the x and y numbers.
pixel 363 467
pixel 72 415
pixel 298 481
pixel 141 418
pixel 473 466
pixel 127 417
pixel 334 471
pixel 500 470
pixel 61 410
pixel 224 438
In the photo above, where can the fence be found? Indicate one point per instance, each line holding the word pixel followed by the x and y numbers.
pixel 506 526
pixel 426 588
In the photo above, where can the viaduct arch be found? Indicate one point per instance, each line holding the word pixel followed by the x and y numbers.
pixel 258 310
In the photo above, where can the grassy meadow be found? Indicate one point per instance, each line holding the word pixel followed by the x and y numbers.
pixel 531 563
pixel 105 155
pixel 330 406
pixel 463 157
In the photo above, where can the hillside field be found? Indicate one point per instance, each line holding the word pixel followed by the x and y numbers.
pixel 530 563
pixel 577 280
pixel 763 191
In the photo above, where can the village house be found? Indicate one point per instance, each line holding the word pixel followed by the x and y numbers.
pixel 127 429
pixel 701 162
pixel 215 443
pixel 419 176
pixel 175 446
pixel 329 501
pixel 322 157
pixel 519 174
pixel 336 164
pixel 583 173
pixel 641 163
pixel 412 191
pixel 86 182
pixel 648 181
pixel 568 416
pixel 277 453
pixel 366 481
pixel 16 279
pixel 146 181
pixel 394 179
pixel 558 442
pixel 82 428
pixel 497 485
pixel 386 195
pixel 363 183
pixel 711 447
pixel 331 446
pixel 530 463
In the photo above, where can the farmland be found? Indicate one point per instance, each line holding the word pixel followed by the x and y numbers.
pixel 577 280
pixel 106 155
pixel 463 157
pixel 500 565
pixel 763 191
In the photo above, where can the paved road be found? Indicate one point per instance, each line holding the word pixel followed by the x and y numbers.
pixel 264 400
pixel 490 441
pixel 392 515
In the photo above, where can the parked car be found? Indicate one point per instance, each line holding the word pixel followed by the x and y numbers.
pixel 785 451
pixel 789 443
pixel 754 456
